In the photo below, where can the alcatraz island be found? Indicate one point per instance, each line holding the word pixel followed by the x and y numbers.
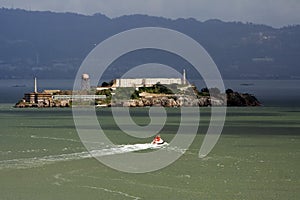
pixel 137 92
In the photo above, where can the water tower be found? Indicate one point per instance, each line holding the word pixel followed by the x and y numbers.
pixel 85 82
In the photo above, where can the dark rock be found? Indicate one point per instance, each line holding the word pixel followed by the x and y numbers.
pixel 237 99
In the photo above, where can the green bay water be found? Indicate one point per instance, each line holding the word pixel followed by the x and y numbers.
pixel 257 157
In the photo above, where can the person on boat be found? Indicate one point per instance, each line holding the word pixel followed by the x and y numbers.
pixel 157 138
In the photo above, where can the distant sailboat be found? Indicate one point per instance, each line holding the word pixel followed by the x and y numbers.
pixel 17 85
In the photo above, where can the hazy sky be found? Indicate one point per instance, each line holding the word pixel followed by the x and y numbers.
pixel 272 12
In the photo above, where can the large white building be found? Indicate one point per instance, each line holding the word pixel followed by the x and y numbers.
pixel 148 82
pixel 145 82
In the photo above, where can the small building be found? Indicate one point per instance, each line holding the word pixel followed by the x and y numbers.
pixel 78 97
pixel 37 97
pixel 51 91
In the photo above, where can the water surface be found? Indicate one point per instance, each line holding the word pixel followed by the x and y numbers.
pixel 257 157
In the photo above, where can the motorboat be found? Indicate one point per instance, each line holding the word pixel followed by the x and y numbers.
pixel 158 140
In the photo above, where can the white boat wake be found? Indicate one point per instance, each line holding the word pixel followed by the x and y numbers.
pixel 126 149
pixel 23 163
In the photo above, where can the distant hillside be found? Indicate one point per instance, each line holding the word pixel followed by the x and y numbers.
pixel 53 45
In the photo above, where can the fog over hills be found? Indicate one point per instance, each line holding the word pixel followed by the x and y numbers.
pixel 53 45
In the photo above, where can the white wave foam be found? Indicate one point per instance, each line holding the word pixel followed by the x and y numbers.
pixel 111 191
pixel 24 163
pixel 125 149
pixel 54 138
pixel 5 152
pixel 61 139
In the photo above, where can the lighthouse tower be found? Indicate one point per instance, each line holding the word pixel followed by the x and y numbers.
pixel 184 78
pixel 35 85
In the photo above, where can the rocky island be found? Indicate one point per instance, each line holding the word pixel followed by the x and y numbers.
pixel 175 92
pixel 175 96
